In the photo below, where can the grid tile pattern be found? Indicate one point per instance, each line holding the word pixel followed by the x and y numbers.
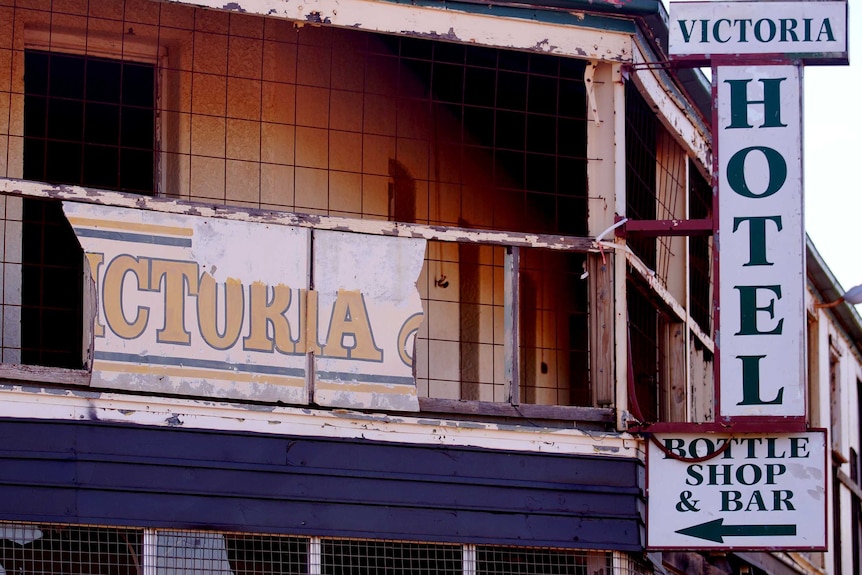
pixel 262 113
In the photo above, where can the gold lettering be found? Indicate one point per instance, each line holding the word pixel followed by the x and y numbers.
pixel 264 312
pixel 96 261
pixel 310 332
pixel 407 335
pixel 112 300
pixel 208 311
pixel 178 276
pixel 349 329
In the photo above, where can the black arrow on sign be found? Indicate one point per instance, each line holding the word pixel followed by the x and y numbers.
pixel 716 530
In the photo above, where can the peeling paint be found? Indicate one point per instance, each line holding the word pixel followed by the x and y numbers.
pixel 316 18
pixel 285 421
pixel 174 421
pixel 433 34
pixel 335 223
pixel 544 46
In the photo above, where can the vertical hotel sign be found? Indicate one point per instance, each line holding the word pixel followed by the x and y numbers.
pixel 757 50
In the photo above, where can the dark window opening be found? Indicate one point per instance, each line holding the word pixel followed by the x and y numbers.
pixel 514 561
pixel 641 200
pixel 90 122
pixel 356 557
pixel 525 114
pixel 700 259
pixel 646 325
pixel 555 364
pixel 71 550
pixel 265 554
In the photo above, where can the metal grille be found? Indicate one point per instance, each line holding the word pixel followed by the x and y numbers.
pixel 641 127
pixel 193 552
pixel 357 557
pixel 700 252
pixel 462 291
pixel 519 561
pixel 261 112
pixel 70 550
pixel 87 121
pixel 231 108
pixel 96 550
pixel 655 182
pixel 645 351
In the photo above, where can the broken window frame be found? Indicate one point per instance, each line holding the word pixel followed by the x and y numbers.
pixel 512 242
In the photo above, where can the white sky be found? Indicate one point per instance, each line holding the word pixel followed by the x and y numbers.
pixel 833 158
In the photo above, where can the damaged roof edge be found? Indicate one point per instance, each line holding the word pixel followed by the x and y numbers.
pixel 620 7
pixel 651 15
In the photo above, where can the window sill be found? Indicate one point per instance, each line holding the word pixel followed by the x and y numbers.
pixel 523 411
pixel 42 374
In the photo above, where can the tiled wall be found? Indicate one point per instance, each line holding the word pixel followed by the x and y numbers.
pixel 266 113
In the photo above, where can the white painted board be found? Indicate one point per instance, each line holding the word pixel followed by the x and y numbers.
pixel 762 492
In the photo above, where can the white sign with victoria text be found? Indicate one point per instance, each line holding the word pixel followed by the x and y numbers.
pixel 815 30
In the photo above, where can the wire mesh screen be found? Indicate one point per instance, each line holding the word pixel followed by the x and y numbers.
pixel 70 550
pixel 656 168
pixel 644 322
pixel 700 254
pixel 94 550
pixel 518 561
pixel 211 553
pixel 641 127
pixel 230 108
pixel 355 557
pixel 631 565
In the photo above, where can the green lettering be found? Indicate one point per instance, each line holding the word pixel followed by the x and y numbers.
pixel 748 310
pixel 694 475
pixel 757 237
pixel 751 382
pixel 736 172
pixel 730 501
pixel 674 445
pixel 788 29
pixel 826 28
pixel 686 33
pixel 756 500
pixel 770 27
pixel 780 497
pixel 771 101
pixel 716 31
pixel 799 447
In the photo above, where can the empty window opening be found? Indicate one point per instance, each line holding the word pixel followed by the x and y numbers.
pixel 87 121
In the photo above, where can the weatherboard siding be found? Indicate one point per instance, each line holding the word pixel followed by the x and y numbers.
pixel 85 472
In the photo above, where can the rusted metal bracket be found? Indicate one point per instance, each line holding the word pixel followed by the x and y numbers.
pixel 656 228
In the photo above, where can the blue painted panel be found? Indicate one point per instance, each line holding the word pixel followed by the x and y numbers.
pixel 90 472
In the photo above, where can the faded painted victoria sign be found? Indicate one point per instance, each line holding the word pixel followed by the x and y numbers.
pixel 221 308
